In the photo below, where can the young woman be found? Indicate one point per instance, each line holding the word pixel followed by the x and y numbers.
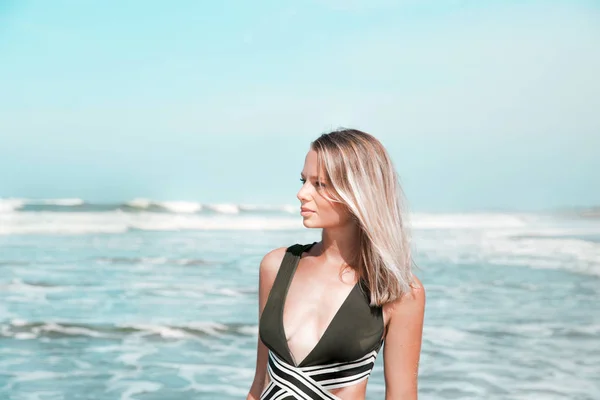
pixel 326 308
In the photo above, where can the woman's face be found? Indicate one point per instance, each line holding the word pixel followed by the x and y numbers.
pixel 316 210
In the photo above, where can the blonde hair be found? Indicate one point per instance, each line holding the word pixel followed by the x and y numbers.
pixel 364 179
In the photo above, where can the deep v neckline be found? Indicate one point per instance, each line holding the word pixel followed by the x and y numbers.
pixel 327 329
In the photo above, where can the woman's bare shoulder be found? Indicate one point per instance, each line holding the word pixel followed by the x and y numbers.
pixel 412 300
pixel 270 263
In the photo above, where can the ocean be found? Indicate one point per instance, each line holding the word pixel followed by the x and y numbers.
pixel 158 300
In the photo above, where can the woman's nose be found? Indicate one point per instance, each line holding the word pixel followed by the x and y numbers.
pixel 302 194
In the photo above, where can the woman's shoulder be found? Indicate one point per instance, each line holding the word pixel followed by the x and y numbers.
pixel 412 300
pixel 272 260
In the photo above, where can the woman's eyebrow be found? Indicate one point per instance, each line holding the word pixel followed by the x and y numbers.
pixel 312 177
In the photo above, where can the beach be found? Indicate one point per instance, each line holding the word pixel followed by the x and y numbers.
pixel 158 300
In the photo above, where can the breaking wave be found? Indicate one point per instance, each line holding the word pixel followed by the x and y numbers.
pixel 139 205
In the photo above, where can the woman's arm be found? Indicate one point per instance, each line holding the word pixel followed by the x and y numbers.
pixel 269 266
pixel 402 346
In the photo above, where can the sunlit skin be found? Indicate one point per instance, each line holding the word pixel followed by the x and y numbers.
pixel 323 279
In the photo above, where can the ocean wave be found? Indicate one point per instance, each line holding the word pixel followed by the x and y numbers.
pixel 24 330
pixel 150 260
pixel 181 216
pixel 139 205
pixel 288 208
pixel 9 263
pixel 224 208
pixel 536 330
pixel 27 286
pixel 183 207
pixel 475 220
pixel 49 223
pixel 535 245
pixel 60 202
pixel 14 204
pixel 245 217
pixel 524 240
pixel 10 205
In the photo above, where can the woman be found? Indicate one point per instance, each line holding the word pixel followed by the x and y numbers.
pixel 326 308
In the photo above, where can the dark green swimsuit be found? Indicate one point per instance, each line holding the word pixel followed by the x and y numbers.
pixel 343 356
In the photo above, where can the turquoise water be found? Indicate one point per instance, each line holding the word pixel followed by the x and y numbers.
pixel 152 302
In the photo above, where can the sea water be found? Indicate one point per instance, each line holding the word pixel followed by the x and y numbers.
pixel 149 300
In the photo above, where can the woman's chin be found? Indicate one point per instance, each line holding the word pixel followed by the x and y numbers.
pixel 309 224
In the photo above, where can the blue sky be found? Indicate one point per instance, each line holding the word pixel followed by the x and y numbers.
pixel 483 105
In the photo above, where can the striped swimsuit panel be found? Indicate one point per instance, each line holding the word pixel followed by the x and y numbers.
pixel 289 382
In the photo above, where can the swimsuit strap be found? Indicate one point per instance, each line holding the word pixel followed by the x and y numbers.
pixel 270 326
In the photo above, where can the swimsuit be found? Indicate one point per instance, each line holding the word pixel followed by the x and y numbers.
pixel 345 354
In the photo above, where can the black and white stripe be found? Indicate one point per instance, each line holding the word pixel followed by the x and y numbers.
pixel 314 383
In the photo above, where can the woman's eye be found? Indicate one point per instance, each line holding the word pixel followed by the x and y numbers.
pixel 317 183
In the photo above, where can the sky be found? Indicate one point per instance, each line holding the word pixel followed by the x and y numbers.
pixel 482 105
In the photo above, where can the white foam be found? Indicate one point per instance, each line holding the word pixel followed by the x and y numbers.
pixel 210 328
pixel 466 221
pixel 133 358
pixel 269 207
pixel 62 223
pixel 35 331
pixel 71 330
pixel 494 238
pixel 225 208
pixel 44 395
pixel 58 202
pixel 10 205
pixel 254 207
pixel 291 208
pixel 544 252
pixel 35 376
pixel 181 206
pixel 133 388
pixel 139 203
pixel 249 330
pixel 163 331
pixel 25 336
pixel 446 336
pixel 174 223
pixel 229 292
pixel 138 387
pixel 528 240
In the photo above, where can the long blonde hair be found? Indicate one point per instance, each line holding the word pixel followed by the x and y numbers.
pixel 363 178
